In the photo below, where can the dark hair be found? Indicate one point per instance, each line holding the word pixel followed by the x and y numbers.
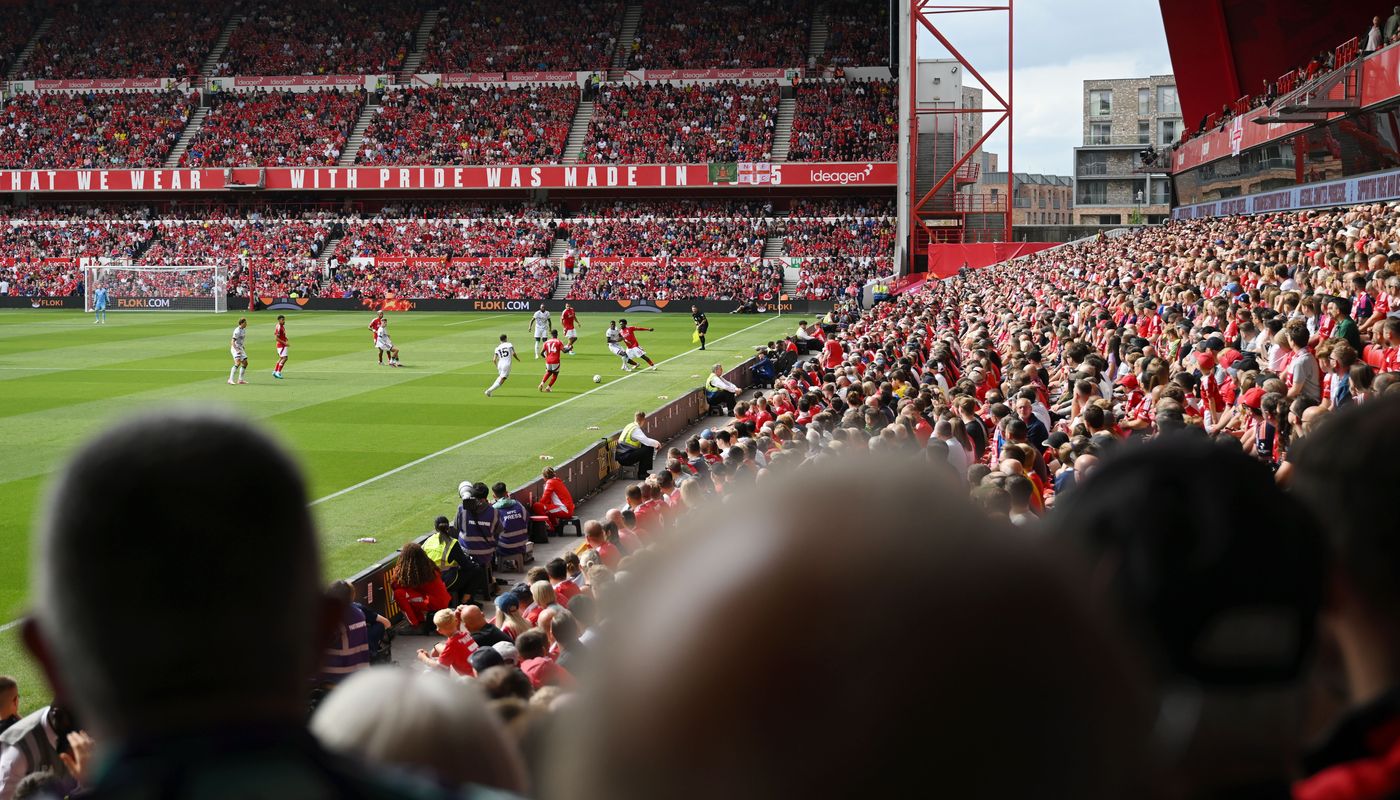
pixel 341 592
pixel 1235 549
pixel 1340 469
pixel 531 644
pixel 557 569
pixel 505 681
pixel 414 568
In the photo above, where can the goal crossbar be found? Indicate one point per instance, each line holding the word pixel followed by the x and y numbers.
pixel 169 287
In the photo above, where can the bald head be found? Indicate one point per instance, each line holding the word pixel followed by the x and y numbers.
pixel 471 617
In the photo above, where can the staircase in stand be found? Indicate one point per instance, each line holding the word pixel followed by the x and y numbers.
pixel 773 246
pixel 357 133
pixel 191 130
pixel 782 130
pixel 13 72
pixel 420 45
pixel 578 132
pixel 211 64
pixel 817 36
pixel 623 51
pixel 562 288
pixel 328 249
pixel 789 286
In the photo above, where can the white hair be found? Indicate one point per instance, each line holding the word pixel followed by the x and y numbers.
pixel 426 722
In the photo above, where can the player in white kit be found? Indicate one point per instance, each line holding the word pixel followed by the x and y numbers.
pixel 385 345
pixel 503 356
pixel 615 344
pixel 539 323
pixel 240 356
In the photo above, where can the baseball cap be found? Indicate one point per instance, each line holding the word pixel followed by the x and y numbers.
pixel 1129 382
pixel 1229 356
pixel 1253 398
pixel 1205 360
pixel 508 652
pixel 485 658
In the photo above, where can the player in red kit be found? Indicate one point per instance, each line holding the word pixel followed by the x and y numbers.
pixel 634 350
pixel 552 349
pixel 374 334
pixel 280 334
pixel 570 321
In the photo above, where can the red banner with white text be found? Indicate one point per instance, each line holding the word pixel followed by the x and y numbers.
pixel 774 73
pixel 351 179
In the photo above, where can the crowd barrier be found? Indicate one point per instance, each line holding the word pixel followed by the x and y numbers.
pixel 585 474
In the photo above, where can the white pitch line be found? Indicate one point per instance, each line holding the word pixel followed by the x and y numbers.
pixel 396 470
pixel 512 423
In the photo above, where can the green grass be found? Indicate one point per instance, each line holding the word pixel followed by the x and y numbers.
pixel 347 419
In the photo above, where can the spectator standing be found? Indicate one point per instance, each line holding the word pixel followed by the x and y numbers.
pixel 35 743
pixel 1375 36
pixel 479 526
pixel 1392 24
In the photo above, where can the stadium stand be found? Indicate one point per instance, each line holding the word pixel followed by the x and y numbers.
pixel 126 39
pixel 484 36
pixel 13 37
pixel 745 279
pixel 470 125
pixel 844 121
pixel 839 236
pixel 323 37
pixel 91 130
pixel 646 235
pixel 662 123
pixel 267 129
pixel 442 279
pixel 857 34
pixel 721 34
pixel 444 238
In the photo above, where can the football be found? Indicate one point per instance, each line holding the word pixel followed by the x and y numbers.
pixel 597 378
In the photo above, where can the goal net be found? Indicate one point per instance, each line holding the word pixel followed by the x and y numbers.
pixel 139 288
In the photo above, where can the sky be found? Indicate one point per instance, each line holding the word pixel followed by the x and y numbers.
pixel 1059 45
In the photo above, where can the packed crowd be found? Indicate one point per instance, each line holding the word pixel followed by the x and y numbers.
pixel 125 39
pixel 13 38
pixel 630 209
pixel 662 123
pixel 1145 483
pixel 747 279
pixel 471 125
pixel 844 121
pixel 667 236
pixel 273 129
pixel 851 237
pixel 721 34
pixel 838 278
pixel 323 37
pixel 444 279
pixel 485 36
pixel 445 238
pixel 858 34
pixel 278 252
pixel 90 130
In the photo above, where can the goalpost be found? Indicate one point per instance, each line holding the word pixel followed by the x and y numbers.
pixel 168 288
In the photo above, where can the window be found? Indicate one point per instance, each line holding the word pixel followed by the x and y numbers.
pixel 1168 130
pixel 1144 102
pixel 1144 132
pixel 1093 163
pixel 1166 100
pixel 1055 200
pixel 1161 193
pixel 1100 133
pixel 1100 103
pixel 1093 193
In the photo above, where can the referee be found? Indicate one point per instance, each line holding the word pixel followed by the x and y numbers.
pixel 702 323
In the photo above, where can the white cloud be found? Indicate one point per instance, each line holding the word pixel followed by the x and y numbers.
pixel 1059 45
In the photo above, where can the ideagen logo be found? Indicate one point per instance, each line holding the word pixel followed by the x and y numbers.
pixel 843 177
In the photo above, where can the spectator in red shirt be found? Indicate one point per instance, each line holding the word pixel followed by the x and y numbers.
pixel 417 586
pixel 564 589
pixel 597 540
pixel 533 646
pixel 454 653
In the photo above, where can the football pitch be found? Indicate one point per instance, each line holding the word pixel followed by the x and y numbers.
pixel 384 448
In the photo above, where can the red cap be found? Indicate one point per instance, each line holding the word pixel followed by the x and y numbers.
pixel 1229 356
pixel 1129 382
pixel 1206 360
pixel 1253 398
